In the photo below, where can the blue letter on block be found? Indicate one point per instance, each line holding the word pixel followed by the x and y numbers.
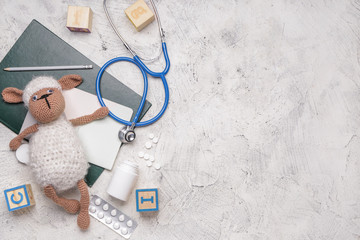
pixel 19 197
pixel 147 200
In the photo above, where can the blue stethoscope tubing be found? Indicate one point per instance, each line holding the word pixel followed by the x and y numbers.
pixel 144 70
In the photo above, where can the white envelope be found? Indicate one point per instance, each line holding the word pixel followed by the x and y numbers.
pixel 99 138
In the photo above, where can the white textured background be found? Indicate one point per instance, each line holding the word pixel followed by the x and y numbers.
pixel 261 137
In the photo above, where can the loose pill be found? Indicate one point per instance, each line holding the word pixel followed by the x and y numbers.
pixel 148 163
pixel 129 223
pixel 100 215
pixel 146 156
pixel 152 158
pixel 155 140
pixel 106 207
pixel 148 145
pixel 98 201
pixel 151 135
pixel 124 231
pixel 113 212
pixel 121 217
pixel 116 225
pixel 157 166
pixel 141 154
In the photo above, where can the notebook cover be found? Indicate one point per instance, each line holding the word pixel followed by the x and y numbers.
pixel 38 46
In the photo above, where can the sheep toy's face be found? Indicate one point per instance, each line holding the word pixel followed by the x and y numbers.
pixel 43 96
pixel 46 105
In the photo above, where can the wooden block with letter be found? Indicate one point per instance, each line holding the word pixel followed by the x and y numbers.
pixel 19 197
pixel 147 200
pixel 79 19
pixel 140 14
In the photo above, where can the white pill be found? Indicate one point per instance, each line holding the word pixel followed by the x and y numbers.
pixel 100 215
pixel 129 223
pixel 157 166
pixel 108 220
pixel 152 158
pixel 141 154
pixel 148 163
pixel 106 207
pixel 22 154
pixel 146 156
pixel 151 135
pixel 98 201
pixel 116 225
pixel 121 217
pixel 92 209
pixel 113 212
pixel 155 140
pixel 124 231
pixel 148 145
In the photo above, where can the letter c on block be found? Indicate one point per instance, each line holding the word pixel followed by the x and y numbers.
pixel 19 201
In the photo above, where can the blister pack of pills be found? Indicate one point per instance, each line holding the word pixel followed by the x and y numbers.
pixel 112 217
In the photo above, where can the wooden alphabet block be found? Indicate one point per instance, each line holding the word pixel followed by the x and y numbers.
pixel 140 14
pixel 79 19
pixel 147 200
pixel 19 197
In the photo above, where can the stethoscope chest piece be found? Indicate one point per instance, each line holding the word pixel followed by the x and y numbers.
pixel 127 134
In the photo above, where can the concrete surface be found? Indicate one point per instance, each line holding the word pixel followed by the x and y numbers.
pixel 261 137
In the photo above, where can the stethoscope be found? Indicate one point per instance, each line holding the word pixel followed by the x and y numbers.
pixel 127 133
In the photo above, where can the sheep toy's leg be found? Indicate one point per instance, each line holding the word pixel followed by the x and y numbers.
pixel 70 205
pixel 83 219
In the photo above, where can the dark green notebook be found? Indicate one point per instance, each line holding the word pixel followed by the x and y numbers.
pixel 38 46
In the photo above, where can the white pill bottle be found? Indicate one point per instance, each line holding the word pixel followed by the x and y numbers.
pixel 123 180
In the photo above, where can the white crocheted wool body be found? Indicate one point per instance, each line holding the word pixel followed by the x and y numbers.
pixel 56 155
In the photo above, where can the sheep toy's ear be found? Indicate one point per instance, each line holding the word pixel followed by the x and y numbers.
pixel 70 81
pixel 12 95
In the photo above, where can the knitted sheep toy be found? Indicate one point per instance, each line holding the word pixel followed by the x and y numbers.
pixel 56 156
